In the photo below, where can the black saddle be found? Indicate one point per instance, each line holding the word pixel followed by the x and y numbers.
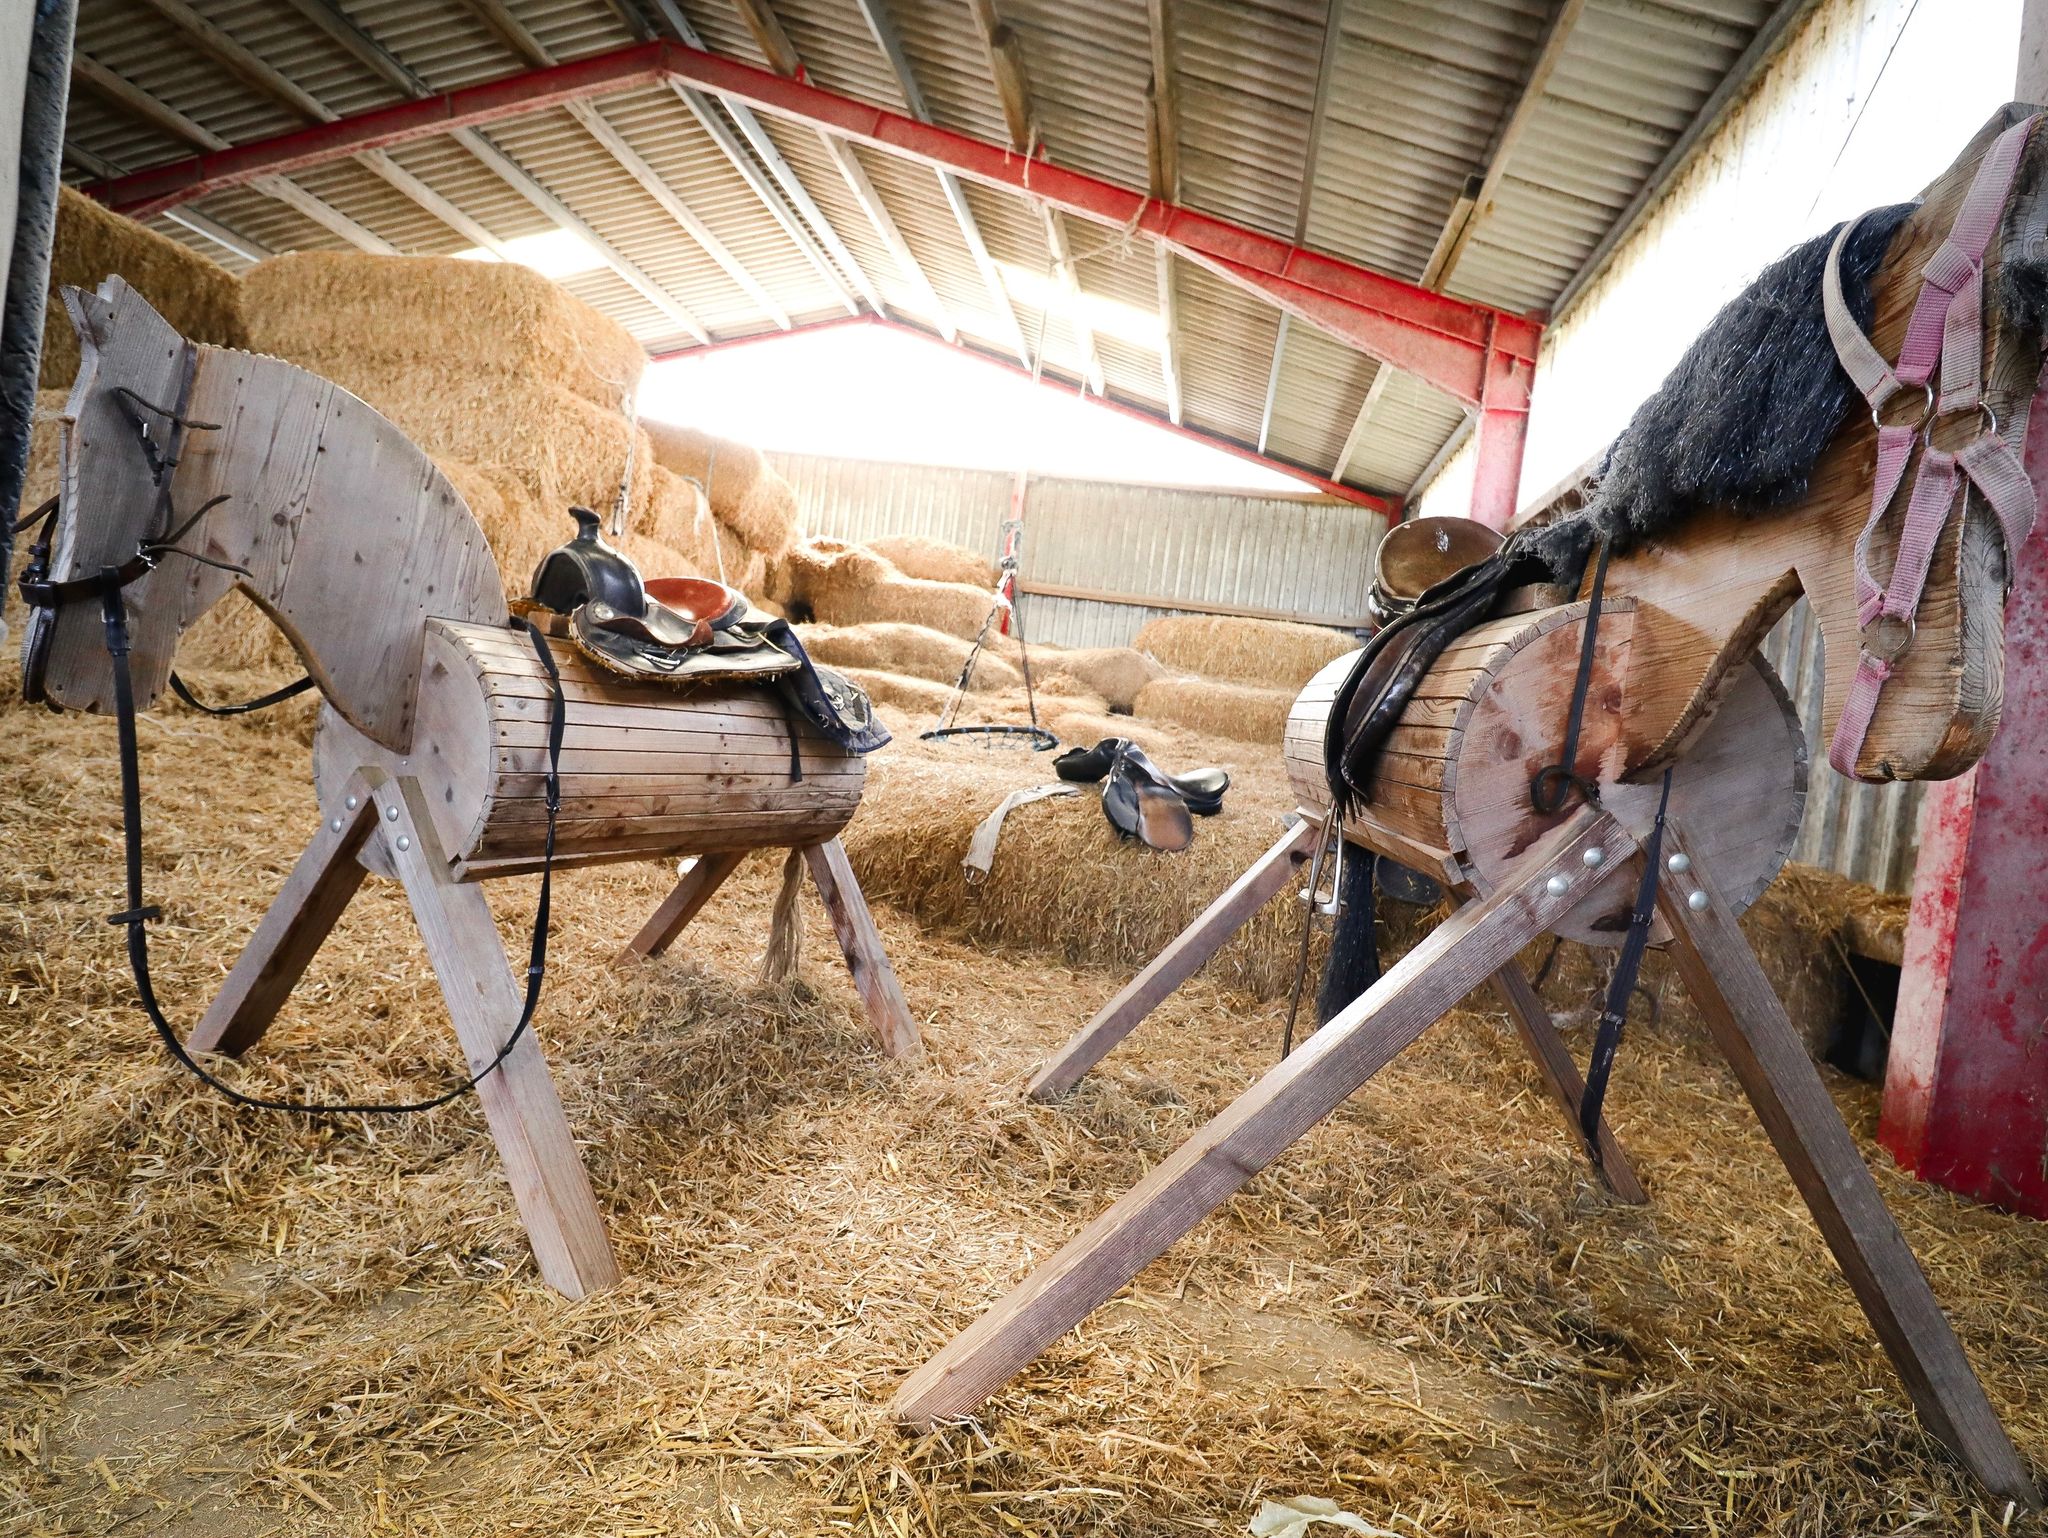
pixel 690 630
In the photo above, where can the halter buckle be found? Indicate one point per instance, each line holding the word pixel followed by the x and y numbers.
pixel 1901 642
pixel 1927 411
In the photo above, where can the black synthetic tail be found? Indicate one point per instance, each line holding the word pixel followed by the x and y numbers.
pixel 1354 963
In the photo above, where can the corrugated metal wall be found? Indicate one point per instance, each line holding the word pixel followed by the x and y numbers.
pixel 1827 132
pixel 1863 831
pixel 1303 557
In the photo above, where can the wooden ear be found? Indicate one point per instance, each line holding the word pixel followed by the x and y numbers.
pixel 91 314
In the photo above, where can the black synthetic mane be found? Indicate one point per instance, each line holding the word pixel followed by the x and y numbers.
pixel 1742 420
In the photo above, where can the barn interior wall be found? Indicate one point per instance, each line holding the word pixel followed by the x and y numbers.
pixel 1181 550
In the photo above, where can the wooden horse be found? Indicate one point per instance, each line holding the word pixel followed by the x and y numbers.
pixel 1675 683
pixel 430 758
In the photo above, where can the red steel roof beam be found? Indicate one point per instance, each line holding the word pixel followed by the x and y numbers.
pixel 1446 342
pixel 151 191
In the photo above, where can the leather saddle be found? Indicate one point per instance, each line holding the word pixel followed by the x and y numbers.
pixel 1376 692
pixel 685 631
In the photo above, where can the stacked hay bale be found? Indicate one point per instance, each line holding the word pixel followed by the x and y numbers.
pixel 881 616
pixel 915 555
pixel 199 297
pixel 753 506
pixel 514 387
pixel 1247 671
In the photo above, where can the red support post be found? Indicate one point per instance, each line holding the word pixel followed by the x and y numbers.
pixel 1966 1089
pixel 1502 433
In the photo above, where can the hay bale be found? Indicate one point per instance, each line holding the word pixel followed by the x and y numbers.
pixel 916 556
pixel 910 649
pixel 338 311
pixel 917 697
pixel 841 599
pixel 200 298
pixel 1063 883
pixel 45 444
pixel 1243 711
pixel 747 494
pixel 1272 653
pixel 1117 673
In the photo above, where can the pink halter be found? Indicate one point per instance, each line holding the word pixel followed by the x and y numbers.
pixel 1947 327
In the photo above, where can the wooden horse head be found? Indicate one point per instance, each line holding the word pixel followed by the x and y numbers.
pixel 258 475
pixel 1709 589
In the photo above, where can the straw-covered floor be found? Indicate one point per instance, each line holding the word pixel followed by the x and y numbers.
pixel 224 1323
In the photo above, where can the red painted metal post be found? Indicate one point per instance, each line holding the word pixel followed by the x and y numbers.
pixel 1503 431
pixel 1966 1092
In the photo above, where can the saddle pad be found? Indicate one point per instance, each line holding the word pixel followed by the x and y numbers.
pixel 734 656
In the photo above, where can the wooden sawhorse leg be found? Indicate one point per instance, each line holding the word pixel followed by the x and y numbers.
pixel 518 1098
pixel 1562 1078
pixel 692 891
pixel 874 978
pixel 1464 951
pixel 296 924
pixel 1192 948
pixel 1182 959
pixel 1750 1026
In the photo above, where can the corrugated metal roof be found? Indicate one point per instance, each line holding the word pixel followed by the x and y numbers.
pixel 1415 94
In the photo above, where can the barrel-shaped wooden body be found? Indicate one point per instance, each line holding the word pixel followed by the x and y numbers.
pixel 1450 795
pixel 648 769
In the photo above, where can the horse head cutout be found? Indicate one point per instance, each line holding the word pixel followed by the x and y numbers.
pixel 1748 478
pixel 209 469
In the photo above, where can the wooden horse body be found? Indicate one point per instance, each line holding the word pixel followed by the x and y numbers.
pixel 1675 683
pixel 430 760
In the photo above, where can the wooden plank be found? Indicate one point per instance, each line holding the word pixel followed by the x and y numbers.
pixel 1199 1176
pixel 1560 1075
pixel 298 920
pixel 1749 1025
pixel 873 977
pixel 519 1101
pixel 1187 954
pixel 108 499
pixel 683 903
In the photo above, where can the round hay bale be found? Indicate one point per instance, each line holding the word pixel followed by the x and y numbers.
pixel 438 318
pixel 746 493
pixel 202 299
pixel 916 556
pixel 912 649
pixel 727 469
pixel 1274 653
pixel 1220 709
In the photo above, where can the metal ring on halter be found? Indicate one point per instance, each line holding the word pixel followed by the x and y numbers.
pixel 1905 639
pixel 1983 407
pixel 1927 411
